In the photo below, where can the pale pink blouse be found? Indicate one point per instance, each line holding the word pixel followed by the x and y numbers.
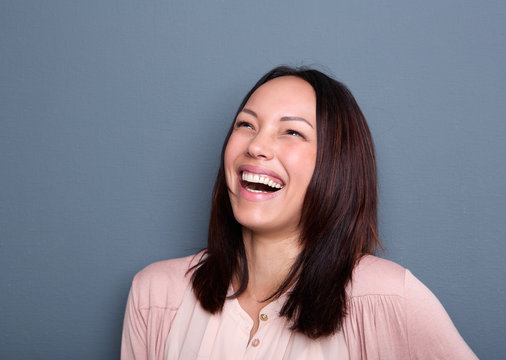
pixel 391 315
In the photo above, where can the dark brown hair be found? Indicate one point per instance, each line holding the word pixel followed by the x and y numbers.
pixel 338 222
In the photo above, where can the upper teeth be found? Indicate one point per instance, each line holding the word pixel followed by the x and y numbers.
pixel 260 179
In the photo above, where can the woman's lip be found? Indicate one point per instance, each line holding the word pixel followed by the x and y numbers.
pixel 260 171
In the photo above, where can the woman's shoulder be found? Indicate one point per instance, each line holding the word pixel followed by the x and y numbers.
pixel 166 270
pixel 376 276
pixel 392 312
pixel 163 283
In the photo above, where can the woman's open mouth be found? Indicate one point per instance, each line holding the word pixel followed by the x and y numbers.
pixel 259 183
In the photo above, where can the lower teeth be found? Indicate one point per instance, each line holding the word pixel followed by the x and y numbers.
pixel 257 191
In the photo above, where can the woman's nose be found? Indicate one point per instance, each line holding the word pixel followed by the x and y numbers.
pixel 261 146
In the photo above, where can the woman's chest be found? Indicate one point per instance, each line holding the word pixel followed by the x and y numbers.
pixel 196 334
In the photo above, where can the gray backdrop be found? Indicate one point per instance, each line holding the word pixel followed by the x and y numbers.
pixel 113 114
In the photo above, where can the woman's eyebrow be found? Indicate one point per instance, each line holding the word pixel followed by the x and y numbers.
pixel 248 111
pixel 295 118
pixel 284 118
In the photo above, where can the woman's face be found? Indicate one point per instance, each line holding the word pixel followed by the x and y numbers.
pixel 270 156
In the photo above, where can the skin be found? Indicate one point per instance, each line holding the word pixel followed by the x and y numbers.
pixel 275 134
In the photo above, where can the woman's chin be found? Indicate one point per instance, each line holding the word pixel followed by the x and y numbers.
pixel 266 225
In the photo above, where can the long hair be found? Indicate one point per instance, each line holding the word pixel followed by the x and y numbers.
pixel 338 221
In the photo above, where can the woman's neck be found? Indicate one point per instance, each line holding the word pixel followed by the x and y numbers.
pixel 270 259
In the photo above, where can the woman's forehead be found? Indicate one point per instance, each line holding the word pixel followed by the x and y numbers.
pixel 289 95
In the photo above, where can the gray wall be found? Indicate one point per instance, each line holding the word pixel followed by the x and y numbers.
pixel 112 118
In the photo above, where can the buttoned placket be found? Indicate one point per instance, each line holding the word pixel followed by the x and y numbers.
pixel 263 318
pixel 255 349
pixel 266 317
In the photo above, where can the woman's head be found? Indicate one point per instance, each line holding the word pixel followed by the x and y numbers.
pixel 343 185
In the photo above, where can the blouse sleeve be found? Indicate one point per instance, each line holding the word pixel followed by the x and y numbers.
pixel 134 342
pixel 155 296
pixel 430 331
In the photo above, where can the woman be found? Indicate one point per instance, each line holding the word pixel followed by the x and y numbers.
pixel 288 271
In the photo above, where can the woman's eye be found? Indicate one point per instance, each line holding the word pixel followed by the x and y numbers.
pixel 243 124
pixel 294 133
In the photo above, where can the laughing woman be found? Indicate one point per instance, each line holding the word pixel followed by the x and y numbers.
pixel 288 272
